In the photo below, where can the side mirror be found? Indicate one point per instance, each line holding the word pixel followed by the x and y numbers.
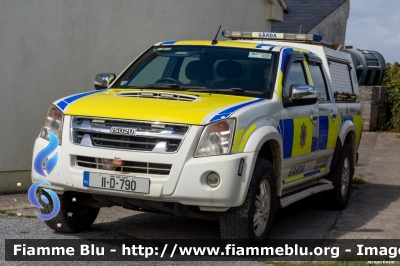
pixel 103 80
pixel 301 94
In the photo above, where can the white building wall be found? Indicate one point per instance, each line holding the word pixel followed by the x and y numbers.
pixel 333 27
pixel 53 48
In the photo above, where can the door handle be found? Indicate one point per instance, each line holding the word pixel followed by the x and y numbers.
pixel 314 118
pixel 333 115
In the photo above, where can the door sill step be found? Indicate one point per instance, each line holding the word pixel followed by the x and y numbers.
pixel 302 193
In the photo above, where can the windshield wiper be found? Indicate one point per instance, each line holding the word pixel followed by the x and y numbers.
pixel 238 90
pixel 197 89
pixel 176 87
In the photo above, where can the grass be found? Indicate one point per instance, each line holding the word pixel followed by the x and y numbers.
pixel 14 214
pixel 358 180
pixel 398 136
pixel 29 216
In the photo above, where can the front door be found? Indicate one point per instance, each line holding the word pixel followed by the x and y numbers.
pixel 299 130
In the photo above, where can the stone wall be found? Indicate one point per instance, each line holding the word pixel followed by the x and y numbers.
pixel 373 106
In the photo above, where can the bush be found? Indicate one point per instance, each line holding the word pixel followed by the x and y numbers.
pixel 392 81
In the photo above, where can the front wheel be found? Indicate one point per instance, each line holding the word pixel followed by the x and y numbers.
pixel 253 220
pixel 73 216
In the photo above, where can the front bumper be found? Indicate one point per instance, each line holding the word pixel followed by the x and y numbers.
pixel 185 184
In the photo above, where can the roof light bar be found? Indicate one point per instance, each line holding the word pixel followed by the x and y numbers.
pixel 271 36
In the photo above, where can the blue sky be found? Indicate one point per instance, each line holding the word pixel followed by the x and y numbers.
pixel 375 25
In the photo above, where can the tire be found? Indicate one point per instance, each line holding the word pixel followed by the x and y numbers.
pixel 342 179
pixel 82 216
pixel 238 222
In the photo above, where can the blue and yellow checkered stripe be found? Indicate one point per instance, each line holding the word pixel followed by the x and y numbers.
pixel 297 177
pixel 298 139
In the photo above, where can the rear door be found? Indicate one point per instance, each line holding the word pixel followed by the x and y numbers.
pixel 328 123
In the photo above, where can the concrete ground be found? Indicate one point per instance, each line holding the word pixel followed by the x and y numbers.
pixel 372 213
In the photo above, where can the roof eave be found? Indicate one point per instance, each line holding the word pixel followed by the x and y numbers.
pixel 283 4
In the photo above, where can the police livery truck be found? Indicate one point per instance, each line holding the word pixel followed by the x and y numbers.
pixel 229 130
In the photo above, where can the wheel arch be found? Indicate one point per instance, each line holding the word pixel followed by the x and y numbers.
pixel 267 143
pixel 348 135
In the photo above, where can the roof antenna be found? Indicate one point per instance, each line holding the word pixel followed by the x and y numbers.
pixel 215 39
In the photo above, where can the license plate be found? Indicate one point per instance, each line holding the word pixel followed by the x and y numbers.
pixel 116 182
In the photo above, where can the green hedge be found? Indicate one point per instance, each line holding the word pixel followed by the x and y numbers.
pixel 392 81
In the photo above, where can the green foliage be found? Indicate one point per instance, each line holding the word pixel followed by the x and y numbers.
pixel 15 214
pixel 392 75
pixel 359 180
pixel 392 81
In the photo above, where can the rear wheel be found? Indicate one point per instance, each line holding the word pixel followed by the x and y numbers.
pixel 342 179
pixel 73 216
pixel 253 220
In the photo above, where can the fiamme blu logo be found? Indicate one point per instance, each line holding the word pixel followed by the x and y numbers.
pixel 44 166
pixel 40 165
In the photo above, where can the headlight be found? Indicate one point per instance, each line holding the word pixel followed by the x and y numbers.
pixel 216 138
pixel 53 122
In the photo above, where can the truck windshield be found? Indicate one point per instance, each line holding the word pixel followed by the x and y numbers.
pixel 204 68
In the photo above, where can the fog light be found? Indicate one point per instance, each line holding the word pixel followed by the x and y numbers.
pixel 117 162
pixel 213 179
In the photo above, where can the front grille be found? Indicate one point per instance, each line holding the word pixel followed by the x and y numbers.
pixel 128 167
pixel 132 143
pixel 130 135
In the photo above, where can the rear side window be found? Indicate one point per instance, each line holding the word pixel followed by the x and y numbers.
pixel 319 81
pixel 340 76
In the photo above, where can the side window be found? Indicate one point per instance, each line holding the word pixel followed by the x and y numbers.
pixel 319 81
pixel 340 77
pixel 295 76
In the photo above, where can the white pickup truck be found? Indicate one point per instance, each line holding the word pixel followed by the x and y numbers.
pixel 229 130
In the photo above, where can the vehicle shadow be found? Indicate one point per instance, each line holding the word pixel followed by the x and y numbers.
pixel 306 219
